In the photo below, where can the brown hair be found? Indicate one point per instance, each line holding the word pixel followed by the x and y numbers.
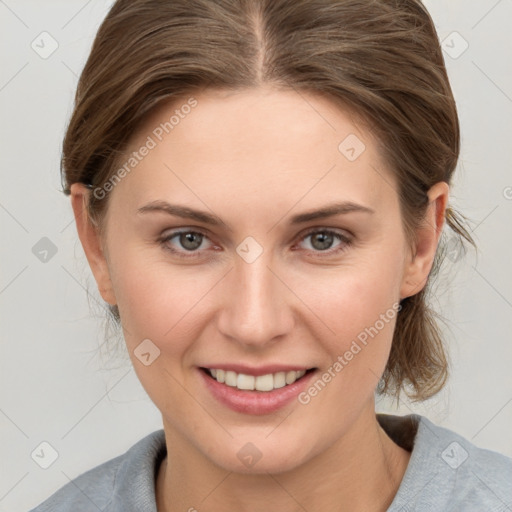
pixel 381 57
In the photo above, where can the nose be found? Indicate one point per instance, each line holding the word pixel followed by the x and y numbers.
pixel 256 311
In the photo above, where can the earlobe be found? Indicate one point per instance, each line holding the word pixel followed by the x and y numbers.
pixel 419 264
pixel 91 242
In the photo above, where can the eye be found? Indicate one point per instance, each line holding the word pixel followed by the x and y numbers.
pixel 187 243
pixel 322 241
pixel 183 242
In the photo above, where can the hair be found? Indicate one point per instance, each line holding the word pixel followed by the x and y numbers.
pixel 379 58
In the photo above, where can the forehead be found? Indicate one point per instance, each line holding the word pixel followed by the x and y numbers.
pixel 258 142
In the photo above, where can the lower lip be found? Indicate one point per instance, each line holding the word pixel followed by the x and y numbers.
pixel 255 402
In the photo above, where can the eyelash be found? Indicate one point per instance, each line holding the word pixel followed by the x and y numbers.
pixel 346 242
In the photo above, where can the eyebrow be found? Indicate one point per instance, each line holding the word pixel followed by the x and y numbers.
pixel 185 212
pixel 331 210
pixel 181 211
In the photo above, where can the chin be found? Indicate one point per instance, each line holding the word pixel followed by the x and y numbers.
pixel 244 456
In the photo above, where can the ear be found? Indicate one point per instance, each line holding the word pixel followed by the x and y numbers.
pixel 419 264
pixel 90 238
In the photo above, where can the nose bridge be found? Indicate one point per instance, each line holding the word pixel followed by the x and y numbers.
pixel 256 311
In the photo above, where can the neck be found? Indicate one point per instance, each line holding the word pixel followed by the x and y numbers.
pixel 361 471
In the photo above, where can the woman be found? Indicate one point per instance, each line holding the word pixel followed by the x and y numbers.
pixel 260 188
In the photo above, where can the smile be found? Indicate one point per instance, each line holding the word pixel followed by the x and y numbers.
pixel 273 388
pixel 267 382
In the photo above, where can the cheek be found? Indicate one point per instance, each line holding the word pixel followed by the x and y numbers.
pixel 157 299
pixel 359 304
pixel 159 302
pixel 352 297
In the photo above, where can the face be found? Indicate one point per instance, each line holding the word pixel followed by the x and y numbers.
pixel 219 257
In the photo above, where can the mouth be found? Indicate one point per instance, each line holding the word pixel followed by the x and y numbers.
pixel 262 383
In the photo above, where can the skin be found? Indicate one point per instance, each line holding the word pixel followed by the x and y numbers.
pixel 254 158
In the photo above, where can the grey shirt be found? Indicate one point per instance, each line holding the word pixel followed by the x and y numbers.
pixel 445 473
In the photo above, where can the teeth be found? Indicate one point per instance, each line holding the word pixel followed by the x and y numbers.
pixel 245 381
pixel 231 378
pixel 266 382
pixel 280 380
pixel 291 377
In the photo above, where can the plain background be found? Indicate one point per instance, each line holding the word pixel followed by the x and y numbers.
pixel 57 388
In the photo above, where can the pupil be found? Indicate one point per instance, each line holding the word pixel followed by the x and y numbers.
pixel 190 241
pixel 325 241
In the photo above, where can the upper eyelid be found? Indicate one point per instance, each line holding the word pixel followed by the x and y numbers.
pixel 337 231
pixel 202 231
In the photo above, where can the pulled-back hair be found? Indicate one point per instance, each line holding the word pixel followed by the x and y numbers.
pixel 380 58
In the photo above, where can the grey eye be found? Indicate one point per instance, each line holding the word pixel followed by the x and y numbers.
pixel 321 240
pixel 190 240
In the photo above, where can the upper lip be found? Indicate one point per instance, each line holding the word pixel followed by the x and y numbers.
pixel 256 371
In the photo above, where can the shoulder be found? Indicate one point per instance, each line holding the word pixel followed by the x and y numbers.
pixel 120 484
pixel 447 472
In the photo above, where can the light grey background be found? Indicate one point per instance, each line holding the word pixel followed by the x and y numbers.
pixel 56 388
